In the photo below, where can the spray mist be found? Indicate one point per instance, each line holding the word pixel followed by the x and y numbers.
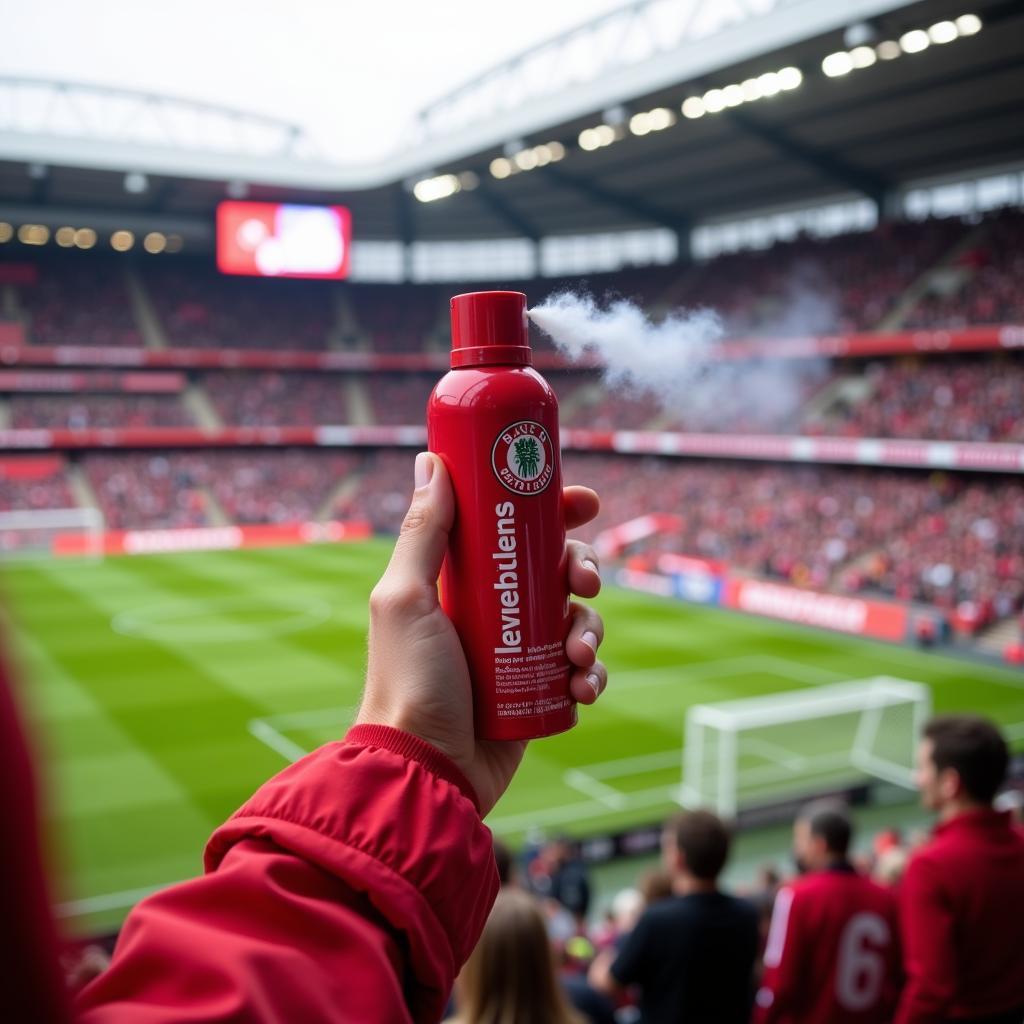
pixel 494 421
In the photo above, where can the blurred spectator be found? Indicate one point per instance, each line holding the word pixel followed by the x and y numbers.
pixel 505 862
pixel 962 897
pixel 890 865
pixel 82 964
pixel 654 886
pixel 570 882
pixel 691 956
pixel 511 976
pixel 832 955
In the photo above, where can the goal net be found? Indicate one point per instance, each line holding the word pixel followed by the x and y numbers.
pixel 28 533
pixel 757 751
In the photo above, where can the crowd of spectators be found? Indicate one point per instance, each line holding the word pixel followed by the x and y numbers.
pixel 191 489
pixel 199 308
pixel 84 411
pixel 400 398
pixel 856 933
pixel 275 487
pixel 30 493
pixel 805 286
pixel 84 302
pixel 984 285
pixel 382 495
pixel 947 398
pixel 948 540
pixel 272 398
pixel 147 490
pixel 938 538
pixel 400 320
pixel 817 286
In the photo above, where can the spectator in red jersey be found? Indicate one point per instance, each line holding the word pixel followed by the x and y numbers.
pixel 832 955
pixel 691 956
pixel 353 885
pixel 962 897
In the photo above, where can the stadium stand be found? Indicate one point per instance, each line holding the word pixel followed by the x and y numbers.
pixel 848 282
pixel 940 538
pixel 818 286
pixel 947 398
pixel 400 398
pixel 187 489
pixel 399 326
pixel 204 310
pixel 154 491
pixel 943 540
pixel 277 399
pixel 79 302
pixel 78 412
pixel 983 285
pixel 28 483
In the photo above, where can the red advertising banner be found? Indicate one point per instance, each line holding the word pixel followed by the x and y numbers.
pixel 859 616
pixel 14 351
pixel 155 382
pixel 12 334
pixel 30 467
pixel 212 538
pixel 959 455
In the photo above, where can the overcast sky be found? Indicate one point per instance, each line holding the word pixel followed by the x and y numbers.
pixel 352 71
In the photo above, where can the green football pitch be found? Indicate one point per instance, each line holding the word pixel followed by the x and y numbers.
pixel 163 689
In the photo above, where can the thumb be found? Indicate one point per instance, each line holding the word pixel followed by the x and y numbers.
pixel 423 539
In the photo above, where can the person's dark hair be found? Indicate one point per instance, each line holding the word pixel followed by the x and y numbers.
pixel 503 858
pixel 974 747
pixel 830 821
pixel 703 841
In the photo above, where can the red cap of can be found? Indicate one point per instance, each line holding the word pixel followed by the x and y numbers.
pixel 490 327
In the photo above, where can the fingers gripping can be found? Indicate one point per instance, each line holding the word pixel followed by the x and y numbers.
pixel 494 421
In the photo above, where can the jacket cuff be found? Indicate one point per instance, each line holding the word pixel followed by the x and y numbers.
pixel 394 818
pixel 412 748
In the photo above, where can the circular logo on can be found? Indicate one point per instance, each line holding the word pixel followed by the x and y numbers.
pixel 522 457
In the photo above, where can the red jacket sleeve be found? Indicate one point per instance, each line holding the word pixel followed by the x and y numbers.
pixel 350 888
pixel 781 981
pixel 31 983
pixel 928 953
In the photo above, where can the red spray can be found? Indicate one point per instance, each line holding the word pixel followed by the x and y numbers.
pixel 494 421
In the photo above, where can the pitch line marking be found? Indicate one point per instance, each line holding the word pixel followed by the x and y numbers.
pixel 268 729
pixel 110 901
pixel 632 765
pixel 180 620
pixel 589 786
pixel 278 742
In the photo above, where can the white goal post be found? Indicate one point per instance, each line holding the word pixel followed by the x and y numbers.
pixel 32 532
pixel 759 750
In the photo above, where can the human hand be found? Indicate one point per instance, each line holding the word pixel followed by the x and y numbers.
pixel 417 678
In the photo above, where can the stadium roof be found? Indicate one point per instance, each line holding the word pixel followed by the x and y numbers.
pixel 936 108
